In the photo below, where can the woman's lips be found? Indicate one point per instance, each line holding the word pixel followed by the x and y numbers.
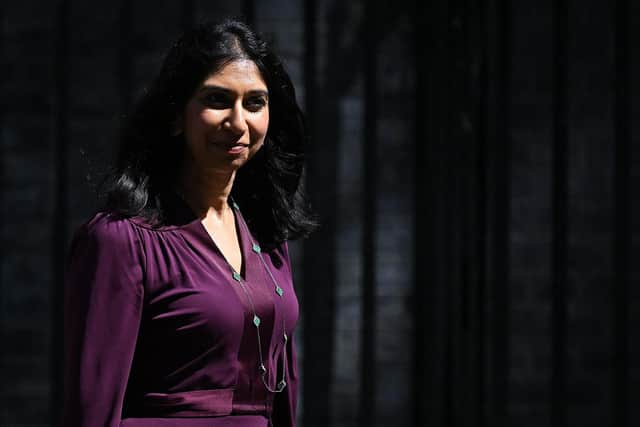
pixel 231 148
pixel 238 148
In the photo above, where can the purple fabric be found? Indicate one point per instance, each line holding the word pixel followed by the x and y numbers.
pixel 157 332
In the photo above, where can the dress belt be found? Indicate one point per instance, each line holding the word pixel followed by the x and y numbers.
pixel 199 403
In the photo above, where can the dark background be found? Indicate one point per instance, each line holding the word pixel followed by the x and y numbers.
pixel 475 164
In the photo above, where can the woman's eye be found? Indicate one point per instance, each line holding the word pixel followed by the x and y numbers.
pixel 220 101
pixel 256 104
pixel 217 101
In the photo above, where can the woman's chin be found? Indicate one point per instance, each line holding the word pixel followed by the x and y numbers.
pixel 228 165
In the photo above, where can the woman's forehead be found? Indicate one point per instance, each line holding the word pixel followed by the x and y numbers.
pixel 237 73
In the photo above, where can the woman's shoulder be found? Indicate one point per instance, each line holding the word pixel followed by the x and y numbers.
pixel 104 246
pixel 107 229
pixel 110 229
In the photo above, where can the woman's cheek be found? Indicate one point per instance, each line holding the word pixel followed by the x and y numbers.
pixel 209 117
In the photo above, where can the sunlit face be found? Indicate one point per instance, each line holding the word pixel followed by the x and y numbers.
pixel 226 119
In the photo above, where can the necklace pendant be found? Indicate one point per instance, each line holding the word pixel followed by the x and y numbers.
pixel 262 369
pixel 256 248
pixel 279 290
pixel 236 276
pixel 256 320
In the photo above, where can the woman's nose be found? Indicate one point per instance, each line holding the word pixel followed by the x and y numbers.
pixel 236 121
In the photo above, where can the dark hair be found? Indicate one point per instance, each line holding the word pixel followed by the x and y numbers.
pixel 268 187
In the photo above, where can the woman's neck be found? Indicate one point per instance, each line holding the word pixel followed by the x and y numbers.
pixel 207 194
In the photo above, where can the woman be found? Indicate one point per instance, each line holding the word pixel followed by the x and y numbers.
pixel 180 308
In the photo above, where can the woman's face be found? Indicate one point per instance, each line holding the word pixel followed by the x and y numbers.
pixel 226 119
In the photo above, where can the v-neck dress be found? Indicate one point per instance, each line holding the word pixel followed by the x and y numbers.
pixel 158 332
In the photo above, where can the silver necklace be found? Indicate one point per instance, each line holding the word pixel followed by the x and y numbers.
pixel 256 319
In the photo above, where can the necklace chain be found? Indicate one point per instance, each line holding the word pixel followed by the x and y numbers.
pixel 256 320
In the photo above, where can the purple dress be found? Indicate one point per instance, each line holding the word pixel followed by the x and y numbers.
pixel 159 333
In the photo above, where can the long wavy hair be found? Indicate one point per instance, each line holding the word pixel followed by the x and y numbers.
pixel 268 187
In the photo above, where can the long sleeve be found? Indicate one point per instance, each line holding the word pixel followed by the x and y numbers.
pixel 285 403
pixel 103 306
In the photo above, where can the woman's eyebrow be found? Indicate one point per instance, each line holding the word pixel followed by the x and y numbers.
pixel 259 92
pixel 213 88
pixel 220 89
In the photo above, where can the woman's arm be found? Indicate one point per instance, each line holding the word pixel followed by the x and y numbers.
pixel 103 306
pixel 285 403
